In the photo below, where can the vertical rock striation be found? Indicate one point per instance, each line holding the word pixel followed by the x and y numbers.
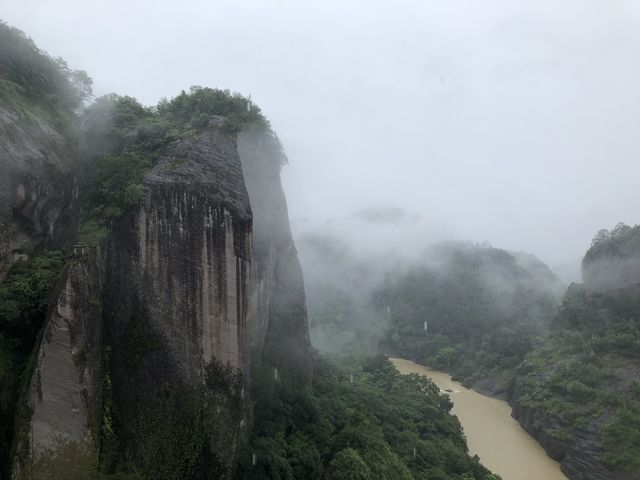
pixel 178 274
pixel 145 354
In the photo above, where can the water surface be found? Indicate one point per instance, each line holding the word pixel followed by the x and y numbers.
pixel 503 446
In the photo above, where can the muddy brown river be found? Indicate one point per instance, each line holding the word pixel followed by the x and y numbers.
pixel 502 445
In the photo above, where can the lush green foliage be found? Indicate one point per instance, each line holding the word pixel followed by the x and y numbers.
pixel 482 308
pixel 28 71
pixel 585 372
pixel 126 139
pixel 200 106
pixel 24 297
pixel 368 429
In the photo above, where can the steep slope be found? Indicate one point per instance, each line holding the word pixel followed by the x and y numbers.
pixel 473 311
pixel 141 364
pixel 175 310
pixel 40 174
pixel 64 396
pixel 360 419
pixel 578 391
pixel 39 151
pixel 279 333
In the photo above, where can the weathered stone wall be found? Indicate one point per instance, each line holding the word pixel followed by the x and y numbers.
pixel 166 310
pixel 278 327
pixel 64 397
pixel 178 273
pixel 38 192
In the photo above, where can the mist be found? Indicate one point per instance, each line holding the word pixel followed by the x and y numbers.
pixel 507 122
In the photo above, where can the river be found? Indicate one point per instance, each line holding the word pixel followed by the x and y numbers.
pixel 503 446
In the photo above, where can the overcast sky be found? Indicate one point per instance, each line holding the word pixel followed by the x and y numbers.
pixel 514 122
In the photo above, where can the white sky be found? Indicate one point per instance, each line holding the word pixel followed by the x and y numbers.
pixel 515 122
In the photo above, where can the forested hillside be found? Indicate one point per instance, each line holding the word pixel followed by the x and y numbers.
pixel 361 420
pixel 473 311
pixel 578 390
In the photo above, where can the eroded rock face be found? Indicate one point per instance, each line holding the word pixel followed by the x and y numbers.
pixel 178 273
pixel 185 256
pixel 65 393
pixel 183 284
pixel 279 331
pixel 38 192
pixel 578 458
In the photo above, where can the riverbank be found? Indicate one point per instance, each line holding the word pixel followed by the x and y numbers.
pixel 501 443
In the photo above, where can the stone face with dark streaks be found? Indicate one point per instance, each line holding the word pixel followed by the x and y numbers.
pixel 149 334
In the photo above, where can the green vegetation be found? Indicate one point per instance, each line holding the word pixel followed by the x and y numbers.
pixel 160 428
pixel 368 429
pixel 27 71
pixel 127 139
pixel 34 85
pixel 196 109
pixel 43 99
pixel 585 372
pixel 482 308
pixel 622 241
pixel 24 297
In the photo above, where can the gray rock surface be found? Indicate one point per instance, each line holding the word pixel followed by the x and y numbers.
pixel 65 392
pixel 38 189
pixel 182 283
pixel 278 327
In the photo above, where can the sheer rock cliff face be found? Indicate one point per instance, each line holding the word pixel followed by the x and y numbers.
pixel 183 260
pixel 165 312
pixel 578 458
pixel 64 397
pixel 37 191
pixel 279 332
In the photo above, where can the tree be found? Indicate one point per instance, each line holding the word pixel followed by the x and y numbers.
pixel 348 465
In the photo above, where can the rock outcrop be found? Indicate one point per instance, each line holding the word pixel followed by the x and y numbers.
pixel 178 274
pixel 64 397
pixel 163 316
pixel 279 332
pixel 143 363
pixel 574 392
pixel 579 456
pixel 38 189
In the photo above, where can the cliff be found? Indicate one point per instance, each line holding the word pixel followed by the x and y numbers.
pixel 40 147
pixel 278 328
pixel 38 189
pixel 64 396
pixel 577 390
pixel 143 364
pixel 178 273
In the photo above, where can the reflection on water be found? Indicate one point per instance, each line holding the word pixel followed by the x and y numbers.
pixel 502 445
